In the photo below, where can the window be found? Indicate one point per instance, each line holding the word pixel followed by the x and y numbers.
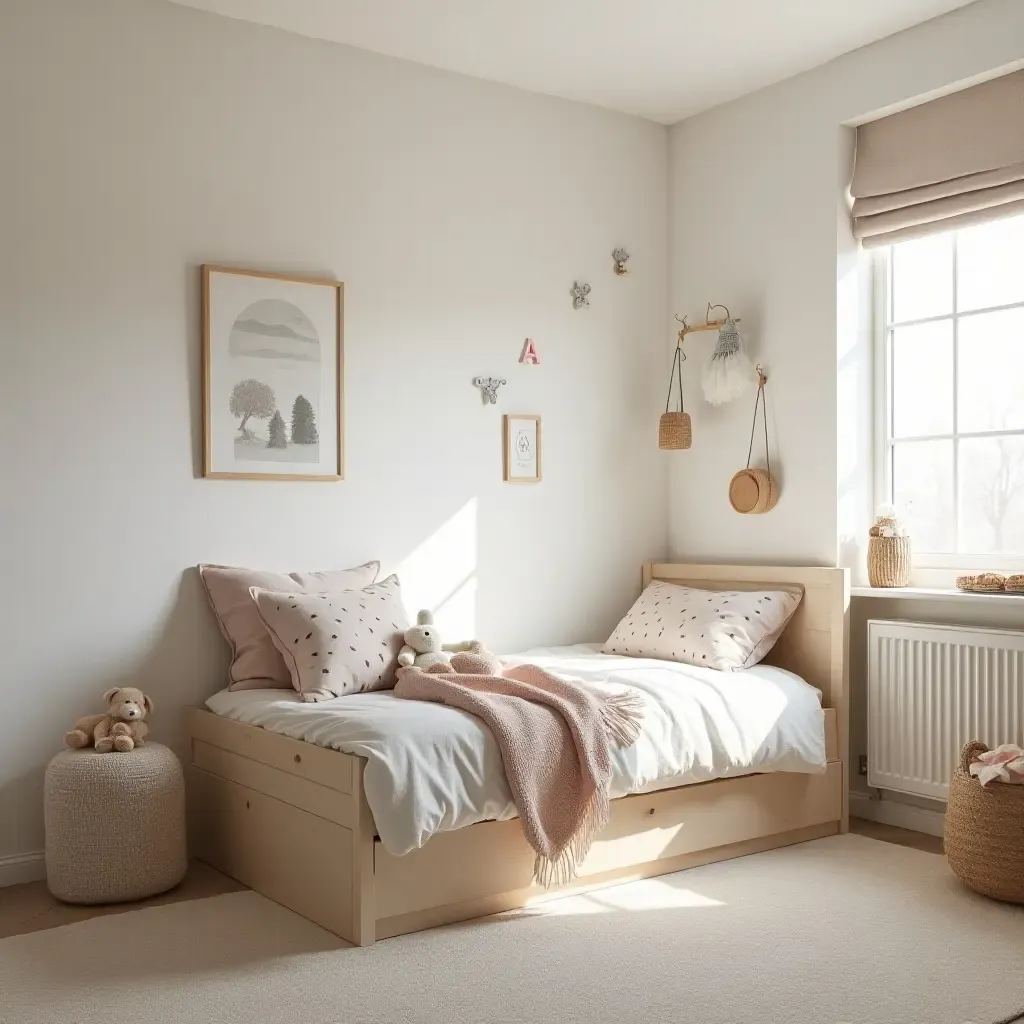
pixel 951 368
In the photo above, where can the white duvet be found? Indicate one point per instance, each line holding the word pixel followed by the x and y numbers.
pixel 431 768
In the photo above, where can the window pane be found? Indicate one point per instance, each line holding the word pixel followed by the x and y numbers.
pixel 990 264
pixel 922 488
pixel 992 495
pixel 922 379
pixel 991 371
pixel 922 278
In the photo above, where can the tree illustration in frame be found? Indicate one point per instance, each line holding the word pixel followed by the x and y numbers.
pixel 251 398
pixel 273 383
pixel 304 422
pixel 277 435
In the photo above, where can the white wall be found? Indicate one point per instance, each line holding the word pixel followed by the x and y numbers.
pixel 757 189
pixel 141 139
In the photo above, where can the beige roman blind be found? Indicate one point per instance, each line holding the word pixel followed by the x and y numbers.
pixel 955 161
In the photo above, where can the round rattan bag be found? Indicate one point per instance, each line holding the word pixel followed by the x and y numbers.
pixel 984 829
pixel 754 491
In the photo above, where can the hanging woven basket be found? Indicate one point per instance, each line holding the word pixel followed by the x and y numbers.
pixel 675 432
pixel 755 491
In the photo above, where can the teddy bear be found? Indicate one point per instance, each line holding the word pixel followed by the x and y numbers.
pixel 423 647
pixel 122 728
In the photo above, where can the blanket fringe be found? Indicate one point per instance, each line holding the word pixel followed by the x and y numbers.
pixel 562 868
pixel 622 714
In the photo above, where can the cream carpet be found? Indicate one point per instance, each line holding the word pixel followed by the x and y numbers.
pixel 845 929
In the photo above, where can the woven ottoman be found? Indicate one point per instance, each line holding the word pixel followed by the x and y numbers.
pixel 115 824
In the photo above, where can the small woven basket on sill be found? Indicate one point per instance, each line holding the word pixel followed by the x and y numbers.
pixel 983 832
pixel 888 561
pixel 983 583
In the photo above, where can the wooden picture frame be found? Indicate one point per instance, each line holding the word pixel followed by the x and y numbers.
pixel 522 466
pixel 259 326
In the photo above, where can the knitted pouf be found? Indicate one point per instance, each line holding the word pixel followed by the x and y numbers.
pixel 115 824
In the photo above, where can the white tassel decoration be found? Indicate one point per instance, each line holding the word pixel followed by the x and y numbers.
pixel 729 373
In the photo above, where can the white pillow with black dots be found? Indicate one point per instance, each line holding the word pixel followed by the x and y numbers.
pixel 727 630
pixel 336 644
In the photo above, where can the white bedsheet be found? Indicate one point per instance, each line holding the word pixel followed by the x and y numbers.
pixel 431 768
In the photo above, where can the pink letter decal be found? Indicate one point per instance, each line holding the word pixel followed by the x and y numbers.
pixel 530 353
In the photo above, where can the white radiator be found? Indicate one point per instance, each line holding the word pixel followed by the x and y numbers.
pixel 930 690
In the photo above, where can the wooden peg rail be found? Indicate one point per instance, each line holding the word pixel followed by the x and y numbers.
pixel 711 325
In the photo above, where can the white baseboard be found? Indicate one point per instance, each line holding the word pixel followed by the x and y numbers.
pixel 22 867
pixel 892 812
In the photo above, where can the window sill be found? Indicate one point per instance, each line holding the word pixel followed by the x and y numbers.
pixel 935 594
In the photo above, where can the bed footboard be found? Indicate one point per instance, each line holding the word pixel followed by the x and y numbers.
pixel 285 818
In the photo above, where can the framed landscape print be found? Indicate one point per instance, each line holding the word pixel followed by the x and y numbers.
pixel 522 449
pixel 273 362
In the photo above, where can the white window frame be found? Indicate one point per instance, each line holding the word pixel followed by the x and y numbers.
pixel 882 288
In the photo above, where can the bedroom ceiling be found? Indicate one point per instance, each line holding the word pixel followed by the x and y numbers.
pixel 660 59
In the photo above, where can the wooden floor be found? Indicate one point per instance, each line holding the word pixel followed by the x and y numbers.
pixel 899 836
pixel 31 908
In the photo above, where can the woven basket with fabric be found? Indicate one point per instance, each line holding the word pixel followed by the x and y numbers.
pixel 984 831
pixel 1015 584
pixel 888 561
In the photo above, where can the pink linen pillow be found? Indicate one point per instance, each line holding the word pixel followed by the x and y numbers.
pixel 339 643
pixel 255 663
pixel 726 630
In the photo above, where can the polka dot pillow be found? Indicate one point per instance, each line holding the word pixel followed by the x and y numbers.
pixel 721 629
pixel 337 643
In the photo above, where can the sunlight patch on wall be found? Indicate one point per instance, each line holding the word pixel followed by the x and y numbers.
pixel 456 615
pixel 854 405
pixel 441 574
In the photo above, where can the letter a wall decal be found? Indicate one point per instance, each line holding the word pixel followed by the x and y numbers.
pixel 530 353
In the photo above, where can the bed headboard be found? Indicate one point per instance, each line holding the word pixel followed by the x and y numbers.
pixel 815 643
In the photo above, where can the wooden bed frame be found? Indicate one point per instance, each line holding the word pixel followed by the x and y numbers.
pixel 290 819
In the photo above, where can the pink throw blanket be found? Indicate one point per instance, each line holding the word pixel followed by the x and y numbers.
pixel 555 741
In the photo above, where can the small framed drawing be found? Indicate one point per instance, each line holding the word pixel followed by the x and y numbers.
pixel 273 376
pixel 522 449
